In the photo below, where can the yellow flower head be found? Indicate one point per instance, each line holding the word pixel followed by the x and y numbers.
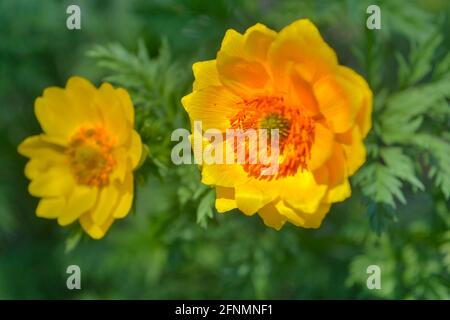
pixel 290 81
pixel 82 164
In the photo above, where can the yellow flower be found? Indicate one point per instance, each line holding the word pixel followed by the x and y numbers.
pixel 291 81
pixel 81 166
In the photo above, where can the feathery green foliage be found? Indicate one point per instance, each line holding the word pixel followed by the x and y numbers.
pixel 175 244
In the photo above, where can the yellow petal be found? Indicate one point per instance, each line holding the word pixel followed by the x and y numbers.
pixel 257 40
pixel 127 157
pixel 35 146
pixel 302 94
pixel 338 193
pixel 79 201
pixel 123 164
pixel 345 137
pixel 35 167
pixel 81 93
pixel 322 148
pixel 233 43
pixel 43 155
pixel 360 97
pixel 364 116
pixel 271 217
pixel 205 74
pixel 241 75
pixel 225 199
pixel 334 104
pixel 302 191
pixel 337 167
pixel 250 198
pixel 51 111
pixel 302 219
pixel 135 150
pixel 56 181
pixel 335 171
pixel 355 152
pixel 315 220
pixel 290 213
pixel 61 111
pixel 113 113
pixel 103 209
pixel 127 104
pixel 96 231
pixel 50 208
pixel 225 175
pixel 214 106
pixel 301 43
pixel 125 198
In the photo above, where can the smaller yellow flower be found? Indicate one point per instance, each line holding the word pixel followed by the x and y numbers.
pixel 81 166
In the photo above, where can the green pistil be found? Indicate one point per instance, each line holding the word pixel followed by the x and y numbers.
pixel 275 121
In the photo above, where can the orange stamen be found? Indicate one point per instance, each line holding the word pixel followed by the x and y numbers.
pixel 90 156
pixel 296 133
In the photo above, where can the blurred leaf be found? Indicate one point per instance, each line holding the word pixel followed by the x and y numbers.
pixel 73 240
pixel 380 184
pixel 420 60
pixel 205 208
pixel 400 166
pixel 439 150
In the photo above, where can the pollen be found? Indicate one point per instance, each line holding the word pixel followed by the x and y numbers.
pixel 90 156
pixel 296 133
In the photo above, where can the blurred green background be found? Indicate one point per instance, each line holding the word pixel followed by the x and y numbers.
pixel 174 245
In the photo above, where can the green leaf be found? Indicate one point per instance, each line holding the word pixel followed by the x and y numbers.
pixel 439 150
pixel 154 83
pixel 401 166
pixel 73 240
pixel 380 216
pixel 407 19
pixel 442 68
pixel 421 58
pixel 205 208
pixel 404 111
pixel 380 184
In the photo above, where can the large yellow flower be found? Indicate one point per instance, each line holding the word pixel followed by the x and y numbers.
pixel 290 81
pixel 82 164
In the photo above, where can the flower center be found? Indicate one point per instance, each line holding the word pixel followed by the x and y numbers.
pixel 275 121
pixel 90 156
pixel 296 133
